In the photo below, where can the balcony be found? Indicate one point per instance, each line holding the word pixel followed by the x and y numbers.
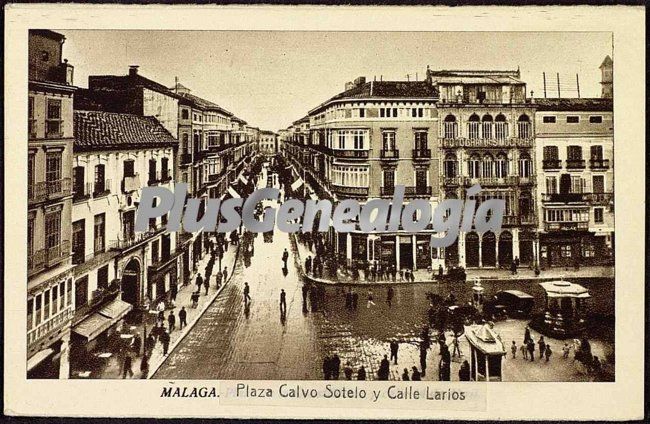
pixel 102 188
pixel 53 128
pixel 602 199
pixel 350 154
pixel 551 164
pixel 486 142
pixel 599 163
pixel 453 181
pixel 421 154
pixel 186 158
pixel 164 260
pixel 391 154
pixel 81 192
pixel 387 191
pixel 131 183
pixel 350 191
pixel 418 191
pixel 48 257
pixel 133 240
pixel 575 164
pixel 563 197
pixel 510 220
pixel 492 181
pixel 566 226
pixel 98 300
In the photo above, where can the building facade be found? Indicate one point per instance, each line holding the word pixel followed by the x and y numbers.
pixel 50 283
pixel 361 144
pixel 486 136
pixel 575 147
pixel 268 144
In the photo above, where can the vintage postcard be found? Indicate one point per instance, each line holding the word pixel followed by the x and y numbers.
pixel 324 212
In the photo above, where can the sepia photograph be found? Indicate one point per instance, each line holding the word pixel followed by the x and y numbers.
pixel 532 126
pixel 318 212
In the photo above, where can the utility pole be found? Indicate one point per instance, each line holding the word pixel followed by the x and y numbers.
pixel 544 76
pixel 578 84
pixel 408 77
pixel 558 85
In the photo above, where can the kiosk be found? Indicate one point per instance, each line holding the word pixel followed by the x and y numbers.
pixel 486 353
pixel 564 314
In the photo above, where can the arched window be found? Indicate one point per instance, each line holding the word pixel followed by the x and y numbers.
pixel 472 126
pixel 451 166
pixel 524 127
pixel 474 166
pixel 500 127
pixel 525 166
pixel 450 127
pixel 501 166
pixel 487 126
pixel 488 166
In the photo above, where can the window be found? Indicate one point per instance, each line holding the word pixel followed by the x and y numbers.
pixel 421 140
pixel 550 153
pixel 577 184
pixel 450 127
pixel 501 168
pixel 421 178
pixel 450 166
pixel 525 166
pixel 185 114
pixel 62 295
pixel 128 218
pixel 52 229
pixel 487 126
pixel 598 215
pixel 350 176
pixel 417 112
pixel 30 116
pixel 53 171
pixel 53 121
pixel 78 182
pixel 102 277
pixel 152 171
pixel 596 119
pixel 524 127
pixel 68 292
pixel 155 254
pixel 362 113
pixel 100 180
pixel 46 305
pixel 551 185
pixel 473 127
pixel 500 127
pixel 55 300
pixel 389 180
pixel 352 139
pixel 588 250
pixel 548 119
pixel 596 153
pixel 39 298
pixel 574 153
pixel 164 165
pixel 78 241
pixel 99 233
pixel 129 168
pixel 81 291
pixel 572 119
pixel 598 183
pixel 30 314
pixel 488 166
pixel 30 235
pixel 474 167
pixel 565 250
pixel 388 140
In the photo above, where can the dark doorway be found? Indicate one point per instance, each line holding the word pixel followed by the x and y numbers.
pixel 131 282
pixel 471 250
pixel 488 249
pixel 505 249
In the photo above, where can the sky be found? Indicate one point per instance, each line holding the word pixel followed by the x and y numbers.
pixel 272 78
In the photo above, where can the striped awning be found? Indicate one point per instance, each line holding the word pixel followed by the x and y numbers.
pixel 296 184
pixel 102 320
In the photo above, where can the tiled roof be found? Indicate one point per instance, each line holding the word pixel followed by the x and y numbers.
pixel 125 82
pixel 95 130
pixel 204 104
pixel 386 89
pixel 577 105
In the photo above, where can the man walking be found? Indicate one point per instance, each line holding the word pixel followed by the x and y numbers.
pixel 182 317
pixel 394 347
pixel 423 358
pixel 456 346
pixel 285 258
pixel 206 284
pixel 126 367
pixel 199 282
pixel 164 339
pixel 171 319
pixel 283 302
pixel 389 296
pixel 247 297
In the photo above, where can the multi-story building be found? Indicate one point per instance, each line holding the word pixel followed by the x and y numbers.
pixel 268 143
pixel 50 283
pixel 360 144
pixel 117 269
pixel 575 147
pixel 486 137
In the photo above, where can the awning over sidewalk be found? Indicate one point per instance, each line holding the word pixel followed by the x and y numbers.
pixel 39 357
pixel 296 184
pixel 100 321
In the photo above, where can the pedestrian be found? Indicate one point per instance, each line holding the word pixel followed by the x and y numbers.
pixel 171 319
pixel 513 348
pixel 394 347
pixel 247 289
pixel 355 299
pixel 423 358
pixel 150 342
pixel 526 335
pixel 144 367
pixel 517 261
pixel 225 274
pixel 524 351
pixel 126 366
pixel 415 374
pixel 136 343
pixel 164 339
pixel 336 366
pixel 361 374
pixel 206 284
pixel 327 373
pixel 444 370
pixel 548 352
pixel 199 282
pixel 370 299
pixel 389 296
pixel 348 299
pixel 464 371
pixel 348 371
pixel 308 265
pixel 513 267
pixel 456 344
pixel 565 350
pixel 440 271
pixel 182 317
pixel 405 375
pixel 542 347
pixel 531 349
pixel 195 299
pixel 283 302
pixel 384 369
pixel 174 292
pixel 285 257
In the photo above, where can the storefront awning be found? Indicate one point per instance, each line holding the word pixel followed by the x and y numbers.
pixel 39 357
pixel 233 193
pixel 296 184
pixel 99 322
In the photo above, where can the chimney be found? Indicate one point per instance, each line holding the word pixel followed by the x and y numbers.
pixel 133 70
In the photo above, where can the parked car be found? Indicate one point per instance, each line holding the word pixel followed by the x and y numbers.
pixel 512 303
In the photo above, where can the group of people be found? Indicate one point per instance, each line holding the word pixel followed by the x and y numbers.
pixel 314 267
pixel 315 293
pixel 528 347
